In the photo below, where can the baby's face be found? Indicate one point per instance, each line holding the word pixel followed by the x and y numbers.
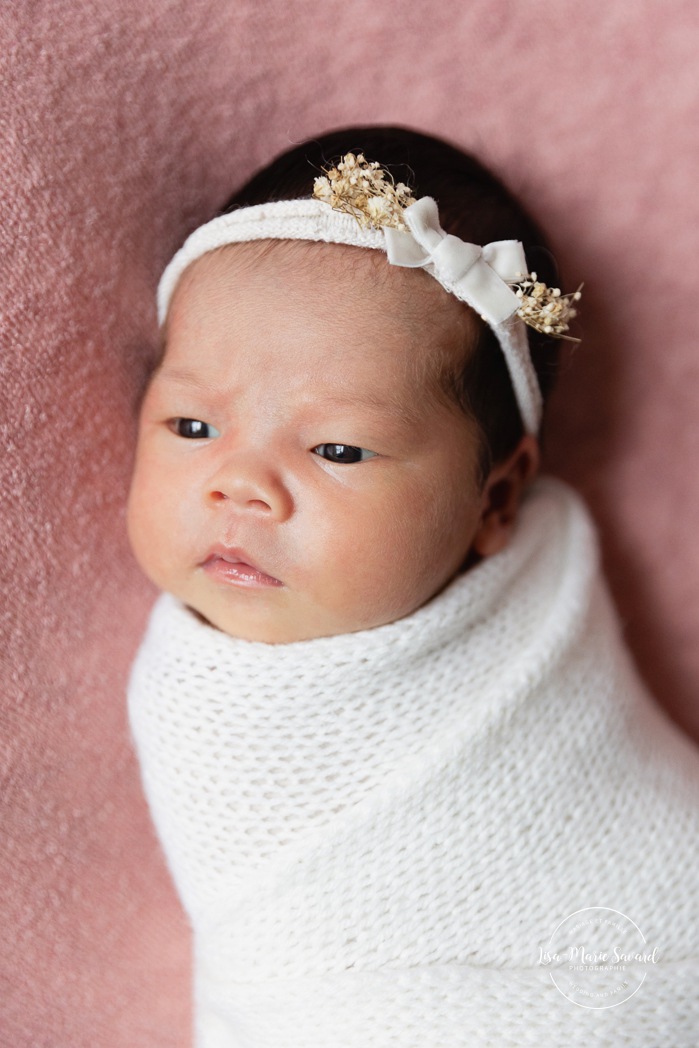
pixel 297 475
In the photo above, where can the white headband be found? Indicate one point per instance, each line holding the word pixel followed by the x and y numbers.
pixel 479 276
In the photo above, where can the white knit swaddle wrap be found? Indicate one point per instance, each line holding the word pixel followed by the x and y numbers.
pixel 374 833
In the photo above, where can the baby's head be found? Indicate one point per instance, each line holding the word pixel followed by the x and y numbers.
pixel 329 439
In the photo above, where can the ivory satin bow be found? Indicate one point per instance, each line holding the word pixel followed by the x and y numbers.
pixel 480 277
pixel 477 275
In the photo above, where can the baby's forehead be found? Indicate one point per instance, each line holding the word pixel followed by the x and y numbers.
pixel 353 279
pixel 370 311
pixel 345 273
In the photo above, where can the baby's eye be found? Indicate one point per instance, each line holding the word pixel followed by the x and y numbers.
pixel 343 453
pixel 192 427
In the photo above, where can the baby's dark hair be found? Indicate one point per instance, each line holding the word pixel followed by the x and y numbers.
pixel 473 205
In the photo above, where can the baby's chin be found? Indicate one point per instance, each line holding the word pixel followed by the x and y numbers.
pixel 283 615
pixel 272 629
pixel 266 625
pixel 289 626
pixel 260 635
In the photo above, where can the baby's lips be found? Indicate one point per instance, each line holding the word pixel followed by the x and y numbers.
pixel 236 555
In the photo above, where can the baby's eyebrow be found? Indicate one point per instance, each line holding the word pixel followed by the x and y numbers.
pixel 184 377
pixel 401 409
pixel 398 408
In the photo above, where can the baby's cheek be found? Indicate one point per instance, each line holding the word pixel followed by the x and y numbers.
pixel 383 575
pixel 147 523
pixel 427 538
pixel 138 527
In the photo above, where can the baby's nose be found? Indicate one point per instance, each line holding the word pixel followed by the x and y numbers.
pixel 251 485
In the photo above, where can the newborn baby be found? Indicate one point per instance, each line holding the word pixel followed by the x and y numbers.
pixel 388 730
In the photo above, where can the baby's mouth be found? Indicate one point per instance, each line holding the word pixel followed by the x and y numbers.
pixel 233 565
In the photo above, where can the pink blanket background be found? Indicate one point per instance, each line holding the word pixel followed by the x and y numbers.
pixel 125 125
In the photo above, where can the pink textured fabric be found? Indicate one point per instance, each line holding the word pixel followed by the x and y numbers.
pixel 124 126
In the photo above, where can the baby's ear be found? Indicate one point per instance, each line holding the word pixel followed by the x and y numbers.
pixel 502 494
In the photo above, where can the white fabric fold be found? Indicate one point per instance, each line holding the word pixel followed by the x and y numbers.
pixel 373 834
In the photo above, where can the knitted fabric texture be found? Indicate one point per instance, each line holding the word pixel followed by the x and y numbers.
pixel 374 834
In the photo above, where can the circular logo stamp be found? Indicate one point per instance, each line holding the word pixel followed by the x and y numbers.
pixel 598 957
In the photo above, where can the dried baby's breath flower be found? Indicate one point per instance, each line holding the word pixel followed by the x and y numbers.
pixel 544 308
pixel 364 190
